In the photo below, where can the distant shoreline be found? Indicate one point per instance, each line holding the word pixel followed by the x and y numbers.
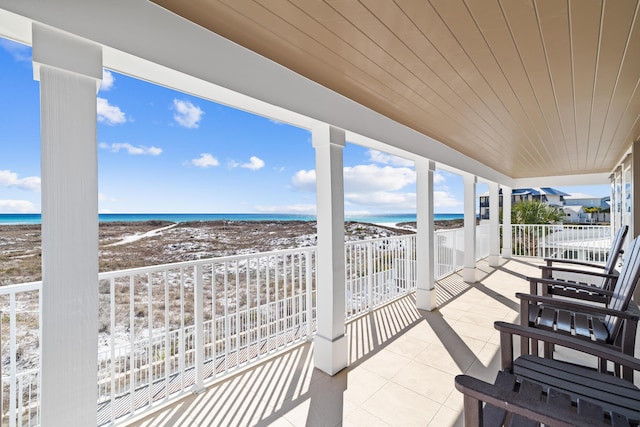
pixel 389 219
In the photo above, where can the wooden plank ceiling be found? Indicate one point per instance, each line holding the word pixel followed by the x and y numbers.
pixel 529 88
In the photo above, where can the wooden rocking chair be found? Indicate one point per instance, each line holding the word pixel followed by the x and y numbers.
pixel 603 277
pixel 530 390
pixel 613 325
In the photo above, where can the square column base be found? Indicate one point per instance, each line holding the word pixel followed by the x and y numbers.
pixel 330 356
pixel 494 260
pixel 469 275
pixel 425 299
pixel 506 253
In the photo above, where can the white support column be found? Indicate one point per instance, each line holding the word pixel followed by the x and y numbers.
pixel 506 222
pixel 469 271
pixel 425 292
pixel 69 70
pixel 330 344
pixel 494 224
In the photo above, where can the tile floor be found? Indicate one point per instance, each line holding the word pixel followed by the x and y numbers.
pixel 402 365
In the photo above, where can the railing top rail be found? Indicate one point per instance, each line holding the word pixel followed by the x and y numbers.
pixel 379 239
pixel 33 371
pixel 204 261
pixel 21 287
pixel 561 225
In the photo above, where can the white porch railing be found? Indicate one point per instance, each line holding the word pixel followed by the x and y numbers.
pixel 449 249
pixel 165 330
pixel 378 271
pixel 20 326
pixel 387 266
pixel 585 243
pixel 172 327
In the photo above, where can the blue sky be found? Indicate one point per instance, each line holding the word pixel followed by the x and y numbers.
pixel 162 151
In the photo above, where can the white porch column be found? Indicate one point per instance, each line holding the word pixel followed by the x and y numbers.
pixel 69 70
pixel 330 344
pixel 494 224
pixel 506 222
pixel 425 292
pixel 469 271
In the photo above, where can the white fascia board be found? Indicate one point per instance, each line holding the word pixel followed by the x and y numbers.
pixel 149 34
pixel 18 28
pixel 137 67
pixel 563 180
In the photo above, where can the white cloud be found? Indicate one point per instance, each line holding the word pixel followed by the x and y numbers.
pixel 350 214
pixel 383 199
pixel 205 160
pixel 133 150
pixel 20 52
pixel 300 209
pixel 361 179
pixel 109 114
pixel 443 199
pixel 377 188
pixel 304 180
pixel 187 114
pixel 107 80
pixel 389 159
pixel 370 178
pixel 254 163
pixel 17 206
pixel 104 198
pixel 10 179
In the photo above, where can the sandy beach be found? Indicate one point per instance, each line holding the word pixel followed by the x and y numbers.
pixel 137 244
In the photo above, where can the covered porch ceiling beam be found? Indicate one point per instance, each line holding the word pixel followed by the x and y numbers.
pixel 136 34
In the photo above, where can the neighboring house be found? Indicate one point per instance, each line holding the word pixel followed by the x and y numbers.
pixel 587 201
pixel 580 199
pixel 575 214
pixel 573 205
pixel 547 195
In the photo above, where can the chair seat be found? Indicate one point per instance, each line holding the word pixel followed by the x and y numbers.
pixel 581 384
pixel 573 395
pixel 582 325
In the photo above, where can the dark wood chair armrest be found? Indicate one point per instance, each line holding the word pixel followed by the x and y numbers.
pixel 551 261
pixel 533 284
pixel 576 306
pixel 603 351
pixel 574 271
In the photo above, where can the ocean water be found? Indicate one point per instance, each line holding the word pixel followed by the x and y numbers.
pixel 6 219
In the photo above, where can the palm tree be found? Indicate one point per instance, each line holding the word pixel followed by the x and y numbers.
pixel 535 212
pixel 532 212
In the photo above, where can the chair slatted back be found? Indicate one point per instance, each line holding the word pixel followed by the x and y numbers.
pixel 614 254
pixel 625 287
pixel 616 248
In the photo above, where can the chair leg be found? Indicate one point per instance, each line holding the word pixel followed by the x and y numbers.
pixel 472 412
pixel 628 344
pixel 524 321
